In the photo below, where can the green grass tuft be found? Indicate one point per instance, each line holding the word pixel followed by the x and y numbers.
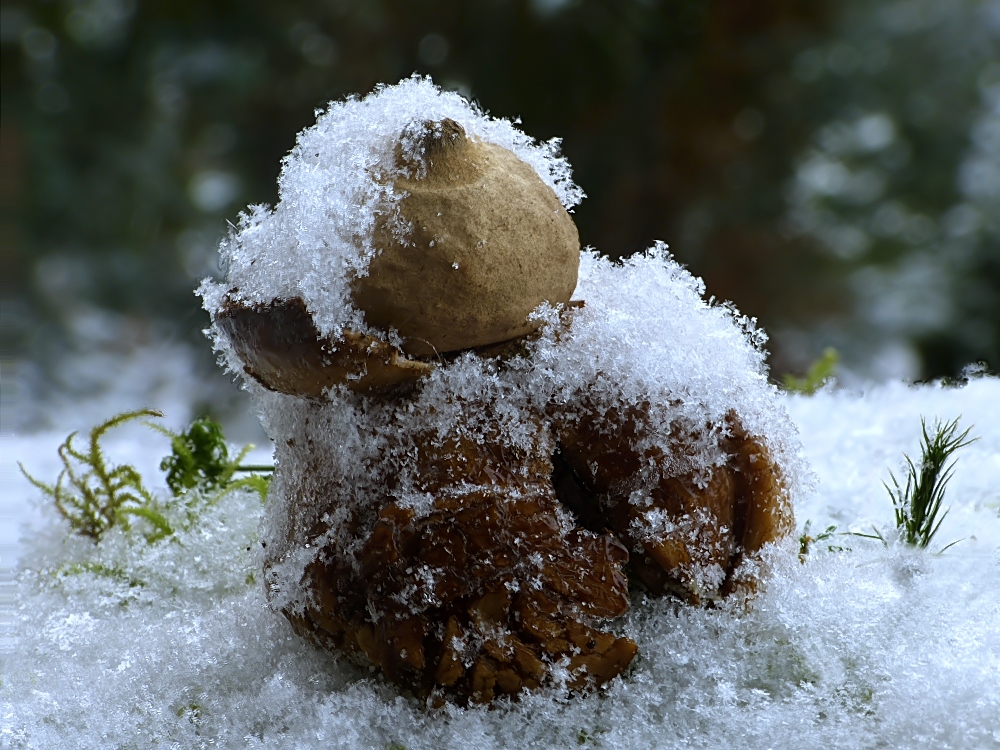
pixel 917 505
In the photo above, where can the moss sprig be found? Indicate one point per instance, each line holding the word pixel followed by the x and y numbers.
pixel 200 459
pixel 807 540
pixel 819 374
pixel 93 495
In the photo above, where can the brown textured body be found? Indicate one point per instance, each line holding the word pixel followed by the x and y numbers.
pixel 495 569
pixel 512 575
pixel 710 523
pixel 484 594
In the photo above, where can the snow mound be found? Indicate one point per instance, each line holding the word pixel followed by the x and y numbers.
pixel 124 644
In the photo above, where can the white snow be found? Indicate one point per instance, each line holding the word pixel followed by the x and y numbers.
pixel 124 645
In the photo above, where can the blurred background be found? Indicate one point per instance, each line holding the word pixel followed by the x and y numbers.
pixel 830 166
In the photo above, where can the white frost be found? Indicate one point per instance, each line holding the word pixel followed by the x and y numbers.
pixel 124 644
pixel 865 648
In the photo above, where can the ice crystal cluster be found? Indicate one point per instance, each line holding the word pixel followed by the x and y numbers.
pixel 178 643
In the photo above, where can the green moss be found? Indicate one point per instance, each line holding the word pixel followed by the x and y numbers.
pixel 93 495
pixel 820 372
pixel 807 540
pixel 199 459
pixel 918 505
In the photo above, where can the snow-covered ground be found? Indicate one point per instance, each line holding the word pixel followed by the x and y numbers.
pixel 130 645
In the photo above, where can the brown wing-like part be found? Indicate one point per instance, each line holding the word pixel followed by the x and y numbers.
pixel 281 348
pixel 687 533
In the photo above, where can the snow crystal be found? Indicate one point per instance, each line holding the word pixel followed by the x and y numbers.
pixel 123 643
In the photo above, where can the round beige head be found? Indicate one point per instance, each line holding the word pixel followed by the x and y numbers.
pixel 488 242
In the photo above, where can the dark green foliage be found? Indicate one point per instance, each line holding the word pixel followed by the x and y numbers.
pixel 918 505
pixel 200 458
pixel 583 737
pixel 94 496
pixel 818 375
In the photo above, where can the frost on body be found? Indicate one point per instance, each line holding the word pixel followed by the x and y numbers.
pixel 481 431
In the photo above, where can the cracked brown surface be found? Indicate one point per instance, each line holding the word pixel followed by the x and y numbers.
pixel 737 508
pixel 481 596
pixel 497 588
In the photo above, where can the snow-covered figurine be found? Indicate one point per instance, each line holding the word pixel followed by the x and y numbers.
pixel 482 434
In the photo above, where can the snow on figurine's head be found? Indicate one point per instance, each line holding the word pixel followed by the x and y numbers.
pixel 410 225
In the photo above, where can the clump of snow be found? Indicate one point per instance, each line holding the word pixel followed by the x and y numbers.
pixel 334 184
pixel 125 644
pixel 128 644
pixel 646 338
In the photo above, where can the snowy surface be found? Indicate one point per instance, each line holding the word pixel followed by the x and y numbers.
pixel 127 645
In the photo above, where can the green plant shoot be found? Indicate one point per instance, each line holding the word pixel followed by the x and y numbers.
pixel 200 459
pixel 94 496
pixel 918 505
pixel 807 540
pixel 818 375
